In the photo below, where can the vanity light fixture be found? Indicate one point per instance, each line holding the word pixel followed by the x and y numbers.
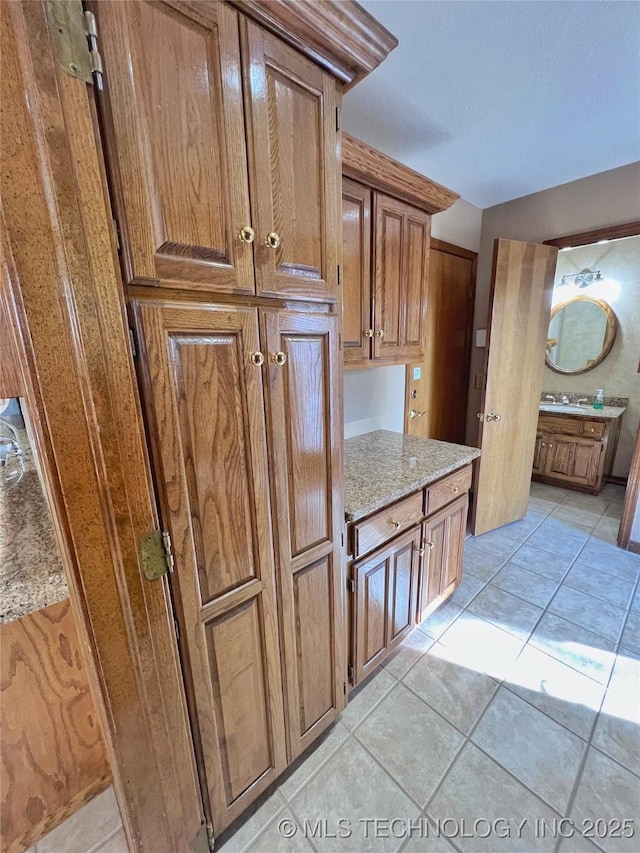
pixel 582 279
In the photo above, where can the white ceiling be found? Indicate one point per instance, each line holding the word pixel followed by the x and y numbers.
pixel 497 100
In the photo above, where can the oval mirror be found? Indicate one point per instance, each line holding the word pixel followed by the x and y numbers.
pixel 581 334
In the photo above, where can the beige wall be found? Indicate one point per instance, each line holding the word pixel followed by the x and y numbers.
pixel 609 198
pixel 618 374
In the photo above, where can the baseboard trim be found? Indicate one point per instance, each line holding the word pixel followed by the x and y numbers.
pixel 634 547
pixel 617 481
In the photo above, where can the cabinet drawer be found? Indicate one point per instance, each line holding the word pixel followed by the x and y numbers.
pixel 592 429
pixel 566 426
pixel 386 523
pixel 448 489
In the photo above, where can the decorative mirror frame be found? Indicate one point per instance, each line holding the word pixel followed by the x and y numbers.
pixel 609 336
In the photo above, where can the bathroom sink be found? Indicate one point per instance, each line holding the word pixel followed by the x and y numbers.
pixel 560 407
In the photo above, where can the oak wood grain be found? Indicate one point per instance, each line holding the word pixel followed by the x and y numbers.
pixel 205 407
pixel 375 169
pixel 295 186
pixel 387 523
pixel 340 36
pixel 631 500
pixel 11 379
pixel 52 754
pixel 443 534
pixel 520 305
pixel 304 404
pixel 357 318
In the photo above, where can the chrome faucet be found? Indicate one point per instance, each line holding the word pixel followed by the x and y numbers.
pixel 550 397
pixel 581 400
pixel 564 400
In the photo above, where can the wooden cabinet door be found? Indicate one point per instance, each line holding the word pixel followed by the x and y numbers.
pixel 539 453
pixel 573 460
pixel 305 423
pixel 384 602
pixel 294 167
pixel 443 535
pixel 206 414
pixel 401 254
pixel 176 142
pixel 357 322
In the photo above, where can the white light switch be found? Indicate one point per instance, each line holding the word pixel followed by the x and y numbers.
pixel 481 337
pixel 416 373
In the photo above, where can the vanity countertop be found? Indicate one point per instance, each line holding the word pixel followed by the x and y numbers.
pixel 383 466
pixel 608 412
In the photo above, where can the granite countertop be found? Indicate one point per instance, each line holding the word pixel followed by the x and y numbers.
pixel 31 571
pixel 608 412
pixel 382 466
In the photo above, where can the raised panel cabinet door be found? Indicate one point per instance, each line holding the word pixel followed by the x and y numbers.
pixel 370 620
pixel 433 563
pixel 294 168
pixel 403 585
pixel 401 256
pixel 304 403
pixel 357 322
pixel 539 453
pixel 456 526
pixel 175 138
pixel 574 460
pixel 205 410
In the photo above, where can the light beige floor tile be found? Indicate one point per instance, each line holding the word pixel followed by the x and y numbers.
pixel 480 563
pixel 416 748
pixel 437 623
pixel 618 730
pixel 283 835
pixel 425 839
pixel 525 526
pixel 116 844
pixel 410 651
pixel 508 612
pixel 96 821
pixel 635 601
pixel 365 698
pixel 554 494
pixel 566 542
pixel 310 763
pixel 541 505
pixel 353 787
pixel 588 612
pixel 606 792
pixel 590 503
pixel 599 584
pixel 607 530
pixel 238 838
pixel 614 561
pixel 495 542
pixel 542 754
pixel 469 587
pixel 631 633
pixel 553 566
pixel 584 651
pixel 458 693
pixel 477 788
pixel 480 646
pixel 557 690
pixel 581 517
pixel 528 585
pixel 577 844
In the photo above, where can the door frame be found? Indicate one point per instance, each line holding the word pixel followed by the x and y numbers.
pixel 65 298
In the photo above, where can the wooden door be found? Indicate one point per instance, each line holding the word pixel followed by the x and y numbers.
pixel 384 602
pixel 437 387
pixel 401 254
pixel 518 321
pixel 539 453
pixel 443 535
pixel 305 422
pixel 357 322
pixel 294 167
pixel 175 140
pixel 573 460
pixel 206 411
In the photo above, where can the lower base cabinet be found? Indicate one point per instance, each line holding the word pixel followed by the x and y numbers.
pixel 407 577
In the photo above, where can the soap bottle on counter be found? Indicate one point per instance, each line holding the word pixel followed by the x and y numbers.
pixel 599 402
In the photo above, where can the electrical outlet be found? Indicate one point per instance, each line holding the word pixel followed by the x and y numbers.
pixel 479 381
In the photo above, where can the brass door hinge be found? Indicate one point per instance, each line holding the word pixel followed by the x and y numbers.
pixel 338 118
pixel 203 840
pixel 75 38
pixel 350 673
pixel 156 555
pixel 351 585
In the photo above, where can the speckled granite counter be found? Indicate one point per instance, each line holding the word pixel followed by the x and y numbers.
pixel 382 466
pixel 608 412
pixel 31 572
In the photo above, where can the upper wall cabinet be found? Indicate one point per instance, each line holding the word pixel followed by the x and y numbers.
pixel 386 223
pixel 187 152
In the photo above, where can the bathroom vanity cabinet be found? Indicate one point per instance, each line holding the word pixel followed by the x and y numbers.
pixel 576 450
pixel 404 553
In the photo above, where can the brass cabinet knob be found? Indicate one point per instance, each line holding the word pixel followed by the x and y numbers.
pixel 544 444
pixel 593 429
pixel 396 524
pixel 380 333
pixel 421 552
pixel 247 234
pixel 273 240
pixel 551 445
pixel 429 545
pixel 256 358
pixel 368 333
pixel 278 358
pixel 454 489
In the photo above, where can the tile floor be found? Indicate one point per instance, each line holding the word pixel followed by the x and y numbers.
pixel 516 704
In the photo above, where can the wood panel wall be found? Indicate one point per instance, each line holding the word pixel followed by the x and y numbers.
pixel 52 756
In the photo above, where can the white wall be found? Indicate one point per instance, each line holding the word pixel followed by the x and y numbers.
pixel 609 198
pixel 374 397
